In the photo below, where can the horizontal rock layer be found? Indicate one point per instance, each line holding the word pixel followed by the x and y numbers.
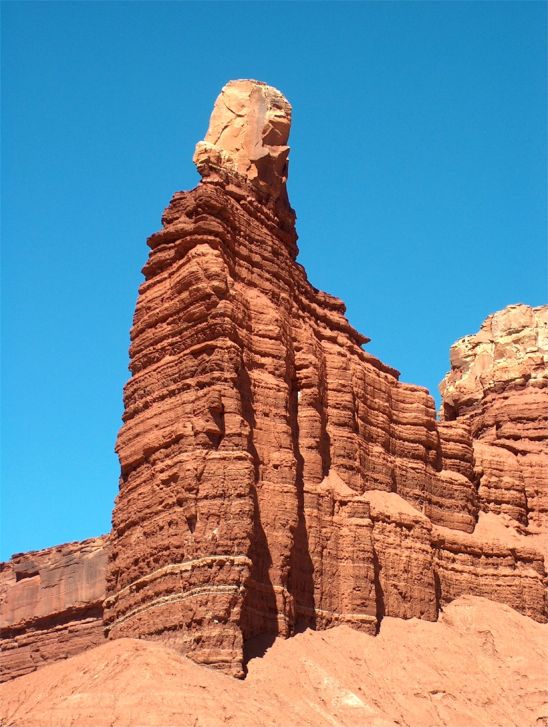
pixel 498 386
pixel 51 605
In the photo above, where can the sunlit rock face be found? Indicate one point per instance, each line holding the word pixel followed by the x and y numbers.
pixel 247 138
pixel 51 605
pixel 498 385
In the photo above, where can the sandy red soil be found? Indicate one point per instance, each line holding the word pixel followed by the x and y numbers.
pixel 482 663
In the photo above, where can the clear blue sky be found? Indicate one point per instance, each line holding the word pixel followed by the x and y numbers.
pixel 417 173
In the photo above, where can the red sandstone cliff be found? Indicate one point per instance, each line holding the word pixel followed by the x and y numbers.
pixel 274 475
pixel 51 605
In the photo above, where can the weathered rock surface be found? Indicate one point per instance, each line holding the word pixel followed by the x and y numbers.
pixel 51 605
pixel 274 474
pixel 481 664
pixel 247 139
pixel 498 386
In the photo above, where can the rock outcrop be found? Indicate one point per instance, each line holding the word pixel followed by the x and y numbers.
pixel 498 386
pixel 51 605
pixel 247 139
pixel 275 475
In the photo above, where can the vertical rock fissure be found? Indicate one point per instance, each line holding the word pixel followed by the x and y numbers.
pixel 301 570
pixel 259 597
pixel 379 592
pixel 323 405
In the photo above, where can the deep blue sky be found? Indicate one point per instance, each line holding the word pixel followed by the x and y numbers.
pixel 417 173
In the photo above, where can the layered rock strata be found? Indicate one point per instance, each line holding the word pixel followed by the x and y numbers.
pixel 498 386
pixel 51 605
pixel 274 475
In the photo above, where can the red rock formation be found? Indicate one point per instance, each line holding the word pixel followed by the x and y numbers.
pixel 51 605
pixel 498 386
pixel 274 475
pixel 495 562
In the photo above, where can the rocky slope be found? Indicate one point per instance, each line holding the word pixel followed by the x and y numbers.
pixel 481 664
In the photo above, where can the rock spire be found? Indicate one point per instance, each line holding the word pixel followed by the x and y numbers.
pixel 247 138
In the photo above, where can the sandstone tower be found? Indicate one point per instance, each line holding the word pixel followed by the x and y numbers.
pixel 274 475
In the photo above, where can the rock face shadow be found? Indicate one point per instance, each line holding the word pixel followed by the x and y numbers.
pixel 301 573
pixel 259 600
pixel 379 591
pixel 257 646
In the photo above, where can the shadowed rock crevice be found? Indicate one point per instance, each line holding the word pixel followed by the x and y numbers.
pixel 322 407
pixel 259 599
pixel 301 568
pixel 259 610
pixel 379 592
pixel 437 590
